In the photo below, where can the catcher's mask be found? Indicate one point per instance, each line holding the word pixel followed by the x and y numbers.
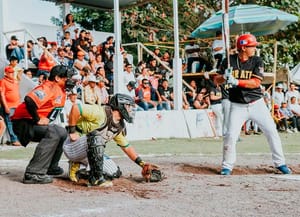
pixel 124 104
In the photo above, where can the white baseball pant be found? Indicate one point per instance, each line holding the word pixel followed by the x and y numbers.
pixel 259 113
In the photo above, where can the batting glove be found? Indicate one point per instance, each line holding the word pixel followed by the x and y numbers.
pixel 232 81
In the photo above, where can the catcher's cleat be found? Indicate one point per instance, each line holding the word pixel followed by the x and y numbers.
pixel 284 169
pixel 225 172
pixel 102 183
pixel 73 168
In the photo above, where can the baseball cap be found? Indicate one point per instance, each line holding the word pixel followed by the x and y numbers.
pixel 276 106
pixel 279 85
pixel 73 91
pixel 131 84
pixel 9 69
pixel 92 78
pixel 13 37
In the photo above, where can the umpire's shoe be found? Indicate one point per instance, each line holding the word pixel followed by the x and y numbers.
pixel 32 178
pixel 56 171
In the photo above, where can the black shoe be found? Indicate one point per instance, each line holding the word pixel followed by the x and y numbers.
pixel 55 171
pixel 32 178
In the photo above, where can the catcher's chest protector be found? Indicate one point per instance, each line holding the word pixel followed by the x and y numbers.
pixel 108 130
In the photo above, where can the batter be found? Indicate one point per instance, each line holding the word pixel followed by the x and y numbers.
pixel 244 82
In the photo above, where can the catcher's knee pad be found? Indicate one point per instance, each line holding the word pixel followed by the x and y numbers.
pixel 95 155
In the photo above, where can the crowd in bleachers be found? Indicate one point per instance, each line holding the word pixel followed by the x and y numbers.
pixel 149 81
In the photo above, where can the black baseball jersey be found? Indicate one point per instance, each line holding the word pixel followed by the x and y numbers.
pixel 253 67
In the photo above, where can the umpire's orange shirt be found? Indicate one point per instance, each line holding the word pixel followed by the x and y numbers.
pixel 47 96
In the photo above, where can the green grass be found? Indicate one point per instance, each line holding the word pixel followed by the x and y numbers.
pixel 248 144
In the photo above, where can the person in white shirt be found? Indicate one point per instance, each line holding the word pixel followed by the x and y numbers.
pixel 128 74
pixel 218 49
pixel 278 94
pixel 292 92
pixel 192 54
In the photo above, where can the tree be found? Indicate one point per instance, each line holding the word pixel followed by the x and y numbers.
pixel 153 22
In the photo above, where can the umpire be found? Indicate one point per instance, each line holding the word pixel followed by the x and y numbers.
pixel 31 123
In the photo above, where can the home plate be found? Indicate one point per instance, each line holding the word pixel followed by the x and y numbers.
pixel 288 177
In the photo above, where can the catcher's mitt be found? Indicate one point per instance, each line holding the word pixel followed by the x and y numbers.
pixel 151 173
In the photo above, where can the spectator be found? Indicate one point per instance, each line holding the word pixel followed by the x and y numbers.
pixel 69 55
pixel 166 94
pixel 103 93
pixel 278 94
pixel 81 44
pixel 192 54
pixel 144 75
pixel 131 91
pixel 38 49
pixel 46 63
pixel 280 120
pixel 80 64
pixel 290 117
pixel 215 97
pixel 267 97
pixel 218 49
pixel 91 92
pixel 191 94
pixel 292 92
pixel 71 27
pixel 200 102
pixel 71 100
pixel 14 48
pixel 67 41
pixel 139 67
pixel 13 62
pixel 53 49
pixel 28 73
pixel 108 49
pixel 10 99
pixel 61 57
pixel 128 75
pixel 148 97
pixel 100 73
pixel 31 123
pixel 251 126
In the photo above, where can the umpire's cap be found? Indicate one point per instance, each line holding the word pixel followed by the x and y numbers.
pixel 60 71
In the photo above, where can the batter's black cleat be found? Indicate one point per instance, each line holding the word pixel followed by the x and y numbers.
pixel 55 171
pixel 32 178
pixel 284 169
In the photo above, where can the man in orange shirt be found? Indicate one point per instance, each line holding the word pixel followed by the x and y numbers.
pixel 10 99
pixel 31 123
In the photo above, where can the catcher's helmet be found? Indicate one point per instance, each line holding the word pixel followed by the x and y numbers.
pixel 247 40
pixel 123 103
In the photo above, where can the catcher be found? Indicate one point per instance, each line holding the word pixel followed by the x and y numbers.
pixel 101 124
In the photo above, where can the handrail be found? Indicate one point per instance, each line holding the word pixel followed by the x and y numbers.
pixel 159 61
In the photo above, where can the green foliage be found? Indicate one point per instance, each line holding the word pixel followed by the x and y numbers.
pixel 153 22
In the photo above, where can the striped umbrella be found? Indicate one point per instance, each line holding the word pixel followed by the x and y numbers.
pixel 256 19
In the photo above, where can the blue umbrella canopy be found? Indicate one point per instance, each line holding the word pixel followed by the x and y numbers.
pixel 256 19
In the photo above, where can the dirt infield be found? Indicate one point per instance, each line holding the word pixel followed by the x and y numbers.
pixel 193 187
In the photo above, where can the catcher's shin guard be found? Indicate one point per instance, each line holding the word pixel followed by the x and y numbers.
pixel 95 155
pixel 73 169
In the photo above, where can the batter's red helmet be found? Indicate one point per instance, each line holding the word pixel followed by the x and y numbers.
pixel 276 106
pixel 246 40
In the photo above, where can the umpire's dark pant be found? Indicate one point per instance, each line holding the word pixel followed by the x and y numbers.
pixel 49 150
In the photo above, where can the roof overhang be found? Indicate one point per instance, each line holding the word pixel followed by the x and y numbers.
pixel 101 4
